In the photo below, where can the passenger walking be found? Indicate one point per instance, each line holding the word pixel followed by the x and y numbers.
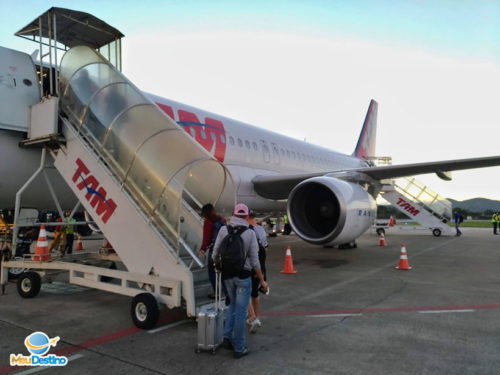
pixel 458 219
pixel 494 221
pixel 70 232
pixel 211 226
pixel 236 254
pixel 254 306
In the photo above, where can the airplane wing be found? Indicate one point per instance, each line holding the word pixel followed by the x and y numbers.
pixel 279 186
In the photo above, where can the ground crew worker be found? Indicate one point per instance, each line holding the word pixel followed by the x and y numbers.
pixel 458 219
pixel 494 221
pixel 70 232
pixel 288 228
pixel 59 234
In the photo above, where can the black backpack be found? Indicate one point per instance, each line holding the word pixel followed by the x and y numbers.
pixel 231 257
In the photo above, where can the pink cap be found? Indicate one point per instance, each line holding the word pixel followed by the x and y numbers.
pixel 241 209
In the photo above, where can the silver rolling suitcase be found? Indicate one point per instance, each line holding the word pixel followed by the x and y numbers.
pixel 211 322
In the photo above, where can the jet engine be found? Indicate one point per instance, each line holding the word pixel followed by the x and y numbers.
pixel 329 211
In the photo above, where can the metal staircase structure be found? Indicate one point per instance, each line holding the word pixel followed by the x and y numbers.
pixel 131 167
pixel 420 203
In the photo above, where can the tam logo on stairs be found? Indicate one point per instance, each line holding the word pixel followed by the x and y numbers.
pixel 96 194
pixel 407 207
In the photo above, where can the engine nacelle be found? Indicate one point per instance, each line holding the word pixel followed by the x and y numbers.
pixel 328 211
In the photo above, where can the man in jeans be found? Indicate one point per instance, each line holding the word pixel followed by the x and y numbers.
pixel 240 287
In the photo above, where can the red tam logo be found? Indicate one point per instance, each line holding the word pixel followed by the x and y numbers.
pixel 96 194
pixel 210 133
pixel 407 207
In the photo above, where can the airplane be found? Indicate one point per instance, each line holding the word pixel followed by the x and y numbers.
pixel 329 196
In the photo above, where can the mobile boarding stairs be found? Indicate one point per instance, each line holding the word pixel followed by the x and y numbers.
pixel 133 169
pixel 424 206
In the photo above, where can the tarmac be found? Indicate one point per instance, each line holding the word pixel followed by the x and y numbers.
pixel 344 312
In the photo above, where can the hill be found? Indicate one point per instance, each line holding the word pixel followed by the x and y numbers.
pixel 479 205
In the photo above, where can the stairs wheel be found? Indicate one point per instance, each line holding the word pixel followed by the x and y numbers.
pixel 380 231
pixel 436 232
pixel 144 311
pixel 29 284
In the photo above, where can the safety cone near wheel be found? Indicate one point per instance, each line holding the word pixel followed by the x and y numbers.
pixel 79 243
pixel 381 240
pixel 288 266
pixel 42 246
pixel 106 245
pixel 403 260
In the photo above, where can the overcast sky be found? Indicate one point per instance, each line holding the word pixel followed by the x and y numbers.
pixel 309 68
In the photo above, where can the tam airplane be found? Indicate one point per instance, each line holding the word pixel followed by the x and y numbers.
pixel 329 196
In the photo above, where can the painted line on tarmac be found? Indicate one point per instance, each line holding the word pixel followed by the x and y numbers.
pixel 333 315
pixel 445 311
pixel 42 368
pixel 329 288
pixel 168 326
pixel 311 313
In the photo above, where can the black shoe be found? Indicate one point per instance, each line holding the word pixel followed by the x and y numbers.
pixel 228 301
pixel 238 355
pixel 227 344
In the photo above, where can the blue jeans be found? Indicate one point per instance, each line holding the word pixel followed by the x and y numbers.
pixel 235 326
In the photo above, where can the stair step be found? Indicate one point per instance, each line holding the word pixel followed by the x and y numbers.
pixel 200 274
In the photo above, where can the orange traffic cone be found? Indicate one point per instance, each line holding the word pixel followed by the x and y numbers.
pixel 403 260
pixel 288 266
pixel 381 240
pixel 392 221
pixel 79 243
pixel 42 246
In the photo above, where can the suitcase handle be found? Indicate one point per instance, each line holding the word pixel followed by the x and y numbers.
pixel 218 287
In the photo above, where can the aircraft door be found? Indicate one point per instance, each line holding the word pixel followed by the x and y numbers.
pixel 266 152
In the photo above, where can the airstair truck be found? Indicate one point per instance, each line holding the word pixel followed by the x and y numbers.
pixel 132 168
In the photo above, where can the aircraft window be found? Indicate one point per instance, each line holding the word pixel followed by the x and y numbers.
pixel 240 142
pixel 223 139
pixel 27 82
pixel 213 136
pixel 193 132
pixel 282 152
pixel 266 149
pixel 203 133
pixel 247 144
pixel 288 154
pixel 255 147
pixel 293 154
pixel 231 140
pixel 275 149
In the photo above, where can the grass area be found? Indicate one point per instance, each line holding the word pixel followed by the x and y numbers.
pixel 474 224
pixel 465 224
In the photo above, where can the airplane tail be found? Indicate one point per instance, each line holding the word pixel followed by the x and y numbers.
pixel 365 147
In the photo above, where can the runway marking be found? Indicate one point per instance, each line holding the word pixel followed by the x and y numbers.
pixel 428 309
pixel 333 315
pixel 42 368
pixel 168 326
pixel 445 311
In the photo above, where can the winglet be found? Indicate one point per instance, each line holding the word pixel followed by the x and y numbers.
pixel 365 147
